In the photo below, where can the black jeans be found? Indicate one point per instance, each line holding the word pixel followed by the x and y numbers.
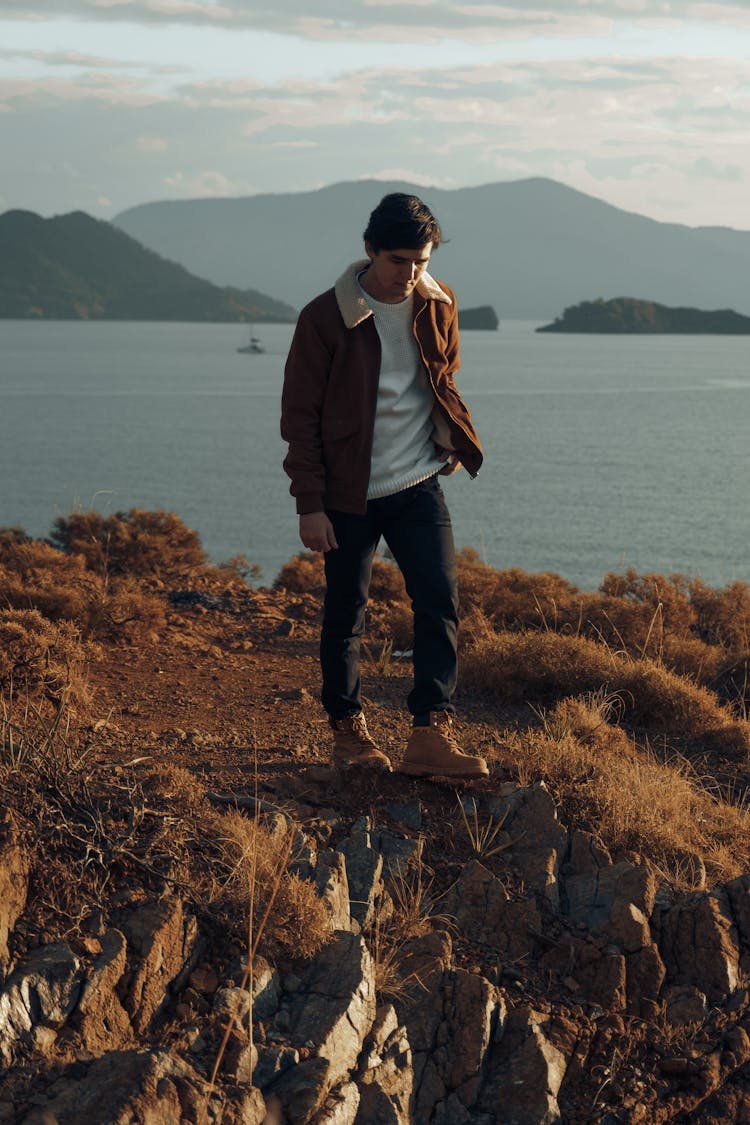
pixel 416 525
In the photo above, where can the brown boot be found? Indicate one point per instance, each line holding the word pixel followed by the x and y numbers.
pixel 433 752
pixel 353 745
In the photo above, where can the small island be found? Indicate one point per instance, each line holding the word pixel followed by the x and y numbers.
pixel 629 315
pixel 483 317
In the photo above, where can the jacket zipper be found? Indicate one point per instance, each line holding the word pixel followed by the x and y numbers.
pixel 436 396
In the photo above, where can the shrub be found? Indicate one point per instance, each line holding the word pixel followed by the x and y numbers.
pixel 42 657
pixel 528 663
pixel 251 854
pixel 630 798
pixel 36 575
pixel 304 574
pixel 135 542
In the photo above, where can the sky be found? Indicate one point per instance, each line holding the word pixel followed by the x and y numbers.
pixel 105 104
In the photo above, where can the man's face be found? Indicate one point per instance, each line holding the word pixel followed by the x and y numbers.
pixel 393 274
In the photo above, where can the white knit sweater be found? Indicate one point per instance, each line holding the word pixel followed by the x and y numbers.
pixel 403 452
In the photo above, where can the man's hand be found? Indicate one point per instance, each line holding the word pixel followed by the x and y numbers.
pixel 316 532
pixel 452 463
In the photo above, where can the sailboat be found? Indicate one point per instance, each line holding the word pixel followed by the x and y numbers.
pixel 253 346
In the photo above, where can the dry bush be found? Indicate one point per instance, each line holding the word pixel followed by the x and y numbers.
pixel 696 631
pixel 304 574
pixel 533 664
pixel 44 658
pixel 723 616
pixel 513 599
pixel 36 575
pixel 249 856
pixel 135 542
pixel 633 800
pixel 125 609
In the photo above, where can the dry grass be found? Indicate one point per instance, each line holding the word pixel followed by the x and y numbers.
pixel 412 910
pixel 535 664
pixel 632 799
pixel 42 659
pixel 486 839
pixel 248 855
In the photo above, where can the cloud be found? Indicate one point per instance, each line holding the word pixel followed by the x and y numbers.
pixel 636 131
pixel 151 144
pixel 75 59
pixel 422 21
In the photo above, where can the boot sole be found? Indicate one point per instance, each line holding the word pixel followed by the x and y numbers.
pixel 416 769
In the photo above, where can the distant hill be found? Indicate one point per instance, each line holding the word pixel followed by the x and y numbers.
pixel 628 314
pixel 76 267
pixel 529 248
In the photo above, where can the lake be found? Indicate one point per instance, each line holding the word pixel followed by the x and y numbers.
pixel 602 452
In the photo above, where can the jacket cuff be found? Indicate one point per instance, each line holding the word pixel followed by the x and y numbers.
pixel 309 502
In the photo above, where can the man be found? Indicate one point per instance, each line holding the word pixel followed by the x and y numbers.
pixel 373 418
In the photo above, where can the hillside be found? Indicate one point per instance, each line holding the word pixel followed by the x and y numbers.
pixel 566 941
pixel 77 267
pixel 628 314
pixel 528 248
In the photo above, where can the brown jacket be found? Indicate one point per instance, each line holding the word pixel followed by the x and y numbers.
pixel 331 388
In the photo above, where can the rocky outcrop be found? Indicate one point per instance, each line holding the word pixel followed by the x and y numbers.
pixel 544 947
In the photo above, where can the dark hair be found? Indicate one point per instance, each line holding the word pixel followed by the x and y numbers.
pixel 402 221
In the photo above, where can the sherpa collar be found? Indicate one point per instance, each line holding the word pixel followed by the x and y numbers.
pixel 353 306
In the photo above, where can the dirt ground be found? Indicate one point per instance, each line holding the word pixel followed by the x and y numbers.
pixel 219 692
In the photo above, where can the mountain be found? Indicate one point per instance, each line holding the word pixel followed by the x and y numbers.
pixel 528 248
pixel 74 267
pixel 628 314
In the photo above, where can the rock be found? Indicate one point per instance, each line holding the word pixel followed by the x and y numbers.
pixel 335 1007
pixel 597 975
pixel 698 943
pixel 539 842
pixel 685 1005
pixel 146 1086
pixel 427 958
pixel 738 893
pixel 273 1060
pixel 452 1023
pixel 340 1107
pixel 398 852
pixel 527 1072
pixel 409 813
pixel 302 1090
pixel 102 1021
pixel 599 893
pixel 14 883
pixel 332 885
pixel 261 995
pixel 38 998
pixel 476 1013
pixel 164 947
pixel 644 977
pixel 364 867
pixel 386 1078
pixel 482 907
pixel 240 1058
